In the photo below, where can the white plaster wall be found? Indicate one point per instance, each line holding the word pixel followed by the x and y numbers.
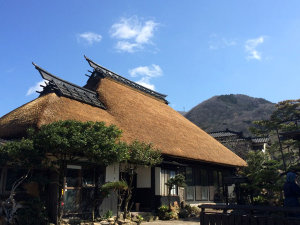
pixel 143 177
pixel 231 193
pixel 157 181
pixel 264 148
pixel 112 173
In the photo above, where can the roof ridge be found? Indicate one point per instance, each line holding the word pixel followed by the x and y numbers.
pixel 47 76
pixel 68 89
pixel 123 80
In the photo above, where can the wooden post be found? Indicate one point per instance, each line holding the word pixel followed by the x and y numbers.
pixel 53 197
pixel 202 214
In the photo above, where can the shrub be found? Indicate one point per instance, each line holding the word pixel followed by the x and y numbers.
pixel 108 214
pixel 139 219
pixel 195 211
pixel 163 212
pixel 189 211
pixel 183 213
pixel 166 213
pixel 173 215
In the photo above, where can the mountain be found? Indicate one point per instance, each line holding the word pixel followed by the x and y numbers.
pixel 235 112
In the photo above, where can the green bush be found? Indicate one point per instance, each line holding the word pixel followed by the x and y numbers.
pixel 108 214
pixel 166 213
pixel 173 215
pixel 195 211
pixel 163 212
pixel 183 213
pixel 189 211
pixel 139 219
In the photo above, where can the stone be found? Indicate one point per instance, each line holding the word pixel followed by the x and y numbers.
pixel 134 214
pixel 121 222
pixel 104 223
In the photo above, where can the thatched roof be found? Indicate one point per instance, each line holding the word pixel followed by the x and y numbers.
pixel 140 115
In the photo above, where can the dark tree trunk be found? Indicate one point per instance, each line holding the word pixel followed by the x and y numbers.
pixel 61 186
pixel 281 150
pixel 128 197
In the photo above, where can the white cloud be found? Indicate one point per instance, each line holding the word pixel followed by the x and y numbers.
pixel 216 43
pixel 132 34
pixel 146 32
pixel 89 37
pixel 250 47
pixel 127 46
pixel 145 81
pixel 153 71
pixel 125 29
pixel 146 73
pixel 36 87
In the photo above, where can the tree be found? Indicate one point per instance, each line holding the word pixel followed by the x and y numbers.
pixel 139 154
pixel 70 141
pixel 177 181
pixel 65 142
pixel 264 180
pixel 284 119
pixel 119 187
pixel 19 154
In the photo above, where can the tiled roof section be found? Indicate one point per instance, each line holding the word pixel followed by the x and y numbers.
pixel 225 133
pixel 67 89
pixel 107 73
pixel 222 134
pixel 260 140
pixel 238 136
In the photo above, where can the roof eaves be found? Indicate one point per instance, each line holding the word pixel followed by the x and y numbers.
pixel 210 162
pixel 107 73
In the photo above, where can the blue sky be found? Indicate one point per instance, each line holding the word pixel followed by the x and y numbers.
pixel 189 50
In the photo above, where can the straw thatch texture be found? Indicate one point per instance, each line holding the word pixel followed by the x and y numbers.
pixel 147 119
pixel 47 109
pixel 139 116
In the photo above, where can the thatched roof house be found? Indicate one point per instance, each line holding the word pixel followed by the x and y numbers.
pixel 142 114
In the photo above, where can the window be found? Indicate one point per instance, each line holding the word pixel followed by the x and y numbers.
pixel 165 176
pixel 203 184
pixel 189 176
pixel 190 193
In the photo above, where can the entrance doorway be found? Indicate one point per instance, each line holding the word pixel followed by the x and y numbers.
pixel 79 192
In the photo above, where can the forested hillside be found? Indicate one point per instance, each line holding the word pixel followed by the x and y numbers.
pixel 235 112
